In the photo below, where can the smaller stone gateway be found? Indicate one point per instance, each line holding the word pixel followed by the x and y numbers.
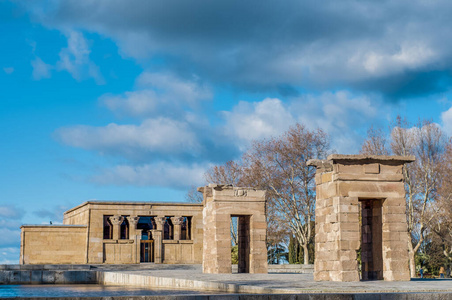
pixel 360 204
pixel 221 202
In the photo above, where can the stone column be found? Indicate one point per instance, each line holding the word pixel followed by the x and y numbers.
pixel 157 235
pixel 160 222
pixel 133 221
pixel 138 243
pixel 116 221
pixel 177 224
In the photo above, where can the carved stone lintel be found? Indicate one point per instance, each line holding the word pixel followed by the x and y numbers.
pixel 240 193
pixel 177 220
pixel 116 220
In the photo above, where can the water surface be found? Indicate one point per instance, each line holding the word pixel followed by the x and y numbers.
pixel 84 290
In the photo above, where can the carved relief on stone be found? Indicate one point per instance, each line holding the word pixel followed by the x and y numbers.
pixel 133 221
pixel 160 220
pixel 116 220
pixel 177 220
pixel 240 193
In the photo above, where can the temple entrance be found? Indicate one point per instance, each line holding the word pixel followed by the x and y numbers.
pixel 247 206
pixel 146 224
pixel 371 239
pixel 243 243
pixel 147 251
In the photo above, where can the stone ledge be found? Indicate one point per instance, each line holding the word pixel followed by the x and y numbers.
pixel 372 158
pixel 52 226
pixel 310 296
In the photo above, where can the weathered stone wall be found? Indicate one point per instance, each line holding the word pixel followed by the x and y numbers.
pixel 53 244
pixel 77 216
pixel 97 250
pixel 128 251
pixel 343 181
pixel 220 204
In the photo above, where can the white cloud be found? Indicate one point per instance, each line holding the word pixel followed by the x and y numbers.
pixel 446 119
pixel 132 103
pixel 410 55
pixel 380 46
pixel 11 212
pixel 190 91
pixel 40 69
pixel 8 70
pixel 257 120
pixel 54 214
pixel 340 114
pixel 10 236
pixel 336 110
pixel 153 136
pixel 170 151
pixel 9 255
pixel 159 93
pixel 75 58
pixel 158 174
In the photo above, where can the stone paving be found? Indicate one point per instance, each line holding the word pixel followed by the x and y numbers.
pixel 294 283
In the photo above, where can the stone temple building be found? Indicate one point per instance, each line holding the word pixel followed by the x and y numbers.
pixel 360 226
pixel 105 232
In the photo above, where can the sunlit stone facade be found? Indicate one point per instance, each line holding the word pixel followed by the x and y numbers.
pixel 105 232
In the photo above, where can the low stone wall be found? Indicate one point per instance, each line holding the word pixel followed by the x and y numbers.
pixel 295 268
pixel 87 274
pixel 45 267
pixel 304 269
pixel 402 296
pixel 137 280
pixel 47 277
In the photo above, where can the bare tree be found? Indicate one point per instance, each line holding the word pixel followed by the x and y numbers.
pixel 229 173
pixel 442 222
pixel 375 143
pixel 279 166
pixel 422 178
pixel 193 195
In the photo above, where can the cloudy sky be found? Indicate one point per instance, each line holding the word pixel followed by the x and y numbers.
pixel 133 100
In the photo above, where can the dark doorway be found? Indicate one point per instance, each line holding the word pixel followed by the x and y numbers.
pixel 147 251
pixel 371 240
pixel 243 237
pixel 146 224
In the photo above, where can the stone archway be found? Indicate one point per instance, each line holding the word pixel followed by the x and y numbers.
pixel 221 202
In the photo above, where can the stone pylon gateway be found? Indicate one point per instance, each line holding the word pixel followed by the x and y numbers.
pixel 221 202
pixel 361 204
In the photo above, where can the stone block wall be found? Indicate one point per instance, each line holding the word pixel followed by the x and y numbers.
pixel 343 184
pixel 84 225
pixel 53 244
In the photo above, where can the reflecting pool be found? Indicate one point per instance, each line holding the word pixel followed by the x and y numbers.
pixel 85 290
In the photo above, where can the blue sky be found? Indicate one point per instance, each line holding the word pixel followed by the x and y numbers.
pixel 134 100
